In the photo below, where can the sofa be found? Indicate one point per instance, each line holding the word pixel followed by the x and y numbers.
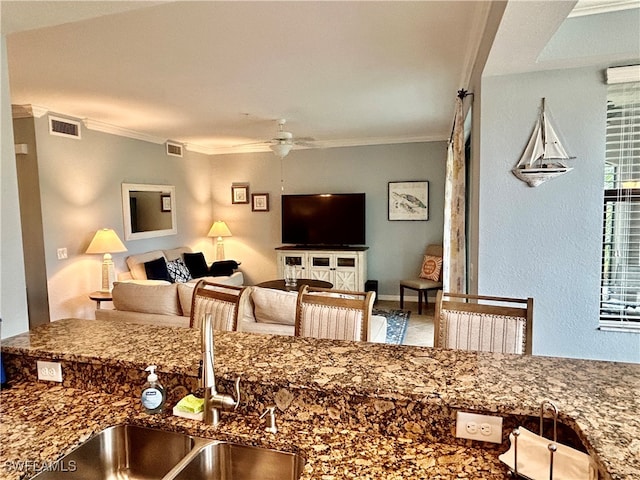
pixel 153 302
pixel 138 273
pixel 261 310
pixel 271 311
pixel 139 299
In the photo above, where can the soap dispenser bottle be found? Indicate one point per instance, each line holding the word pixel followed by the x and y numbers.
pixel 153 394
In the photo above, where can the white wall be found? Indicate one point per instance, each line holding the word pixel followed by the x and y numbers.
pixel 544 242
pixel 13 298
pixel 395 248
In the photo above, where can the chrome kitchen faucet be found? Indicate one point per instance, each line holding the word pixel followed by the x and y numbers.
pixel 213 401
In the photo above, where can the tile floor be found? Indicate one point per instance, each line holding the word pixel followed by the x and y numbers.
pixel 420 329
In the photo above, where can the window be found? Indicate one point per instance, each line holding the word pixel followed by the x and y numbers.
pixel 620 279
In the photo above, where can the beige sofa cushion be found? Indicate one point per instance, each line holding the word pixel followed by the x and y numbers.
pixel 175 253
pixel 136 263
pixel 377 329
pixel 142 318
pixel 274 306
pixel 185 295
pixel 147 282
pixel 160 299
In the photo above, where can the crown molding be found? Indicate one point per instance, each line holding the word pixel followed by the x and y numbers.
pixel 192 147
pixel 28 111
pixel 594 7
pixel 24 111
pixel 123 132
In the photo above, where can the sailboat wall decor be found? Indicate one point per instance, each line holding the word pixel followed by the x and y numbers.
pixel 543 157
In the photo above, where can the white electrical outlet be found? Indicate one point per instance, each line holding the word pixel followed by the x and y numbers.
pixel 62 253
pixel 51 371
pixel 473 426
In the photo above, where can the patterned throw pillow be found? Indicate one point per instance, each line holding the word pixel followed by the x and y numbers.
pixel 431 266
pixel 178 271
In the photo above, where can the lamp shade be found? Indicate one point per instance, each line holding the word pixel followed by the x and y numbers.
pixel 281 149
pixel 219 229
pixel 106 241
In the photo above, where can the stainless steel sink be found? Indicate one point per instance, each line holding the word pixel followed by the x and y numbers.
pixel 124 452
pixel 129 452
pixel 229 461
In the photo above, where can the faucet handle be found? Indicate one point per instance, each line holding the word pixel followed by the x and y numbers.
pixel 237 393
pixel 226 401
pixel 271 419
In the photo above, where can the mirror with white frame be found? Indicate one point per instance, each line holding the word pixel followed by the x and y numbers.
pixel 148 210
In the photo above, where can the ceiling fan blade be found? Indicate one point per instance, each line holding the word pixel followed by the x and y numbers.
pixel 304 144
pixel 282 137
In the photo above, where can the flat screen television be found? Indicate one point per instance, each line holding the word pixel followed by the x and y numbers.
pixel 324 219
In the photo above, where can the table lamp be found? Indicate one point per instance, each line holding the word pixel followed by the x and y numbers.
pixel 106 241
pixel 219 229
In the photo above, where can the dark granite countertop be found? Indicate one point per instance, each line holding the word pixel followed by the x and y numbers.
pixel 401 421
pixel 40 423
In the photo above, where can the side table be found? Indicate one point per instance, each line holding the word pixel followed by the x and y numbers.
pixel 99 297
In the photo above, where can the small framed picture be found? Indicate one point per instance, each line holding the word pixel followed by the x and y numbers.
pixel 240 193
pixel 259 202
pixel 409 200
pixel 165 203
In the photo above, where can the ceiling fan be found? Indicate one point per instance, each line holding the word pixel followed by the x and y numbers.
pixel 283 141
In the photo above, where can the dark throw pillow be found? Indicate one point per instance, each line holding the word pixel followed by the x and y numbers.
pixel 178 271
pixel 157 270
pixel 196 264
pixel 223 268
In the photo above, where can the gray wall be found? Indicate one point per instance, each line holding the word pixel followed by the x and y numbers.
pixel 13 298
pixel 395 248
pixel 544 242
pixel 80 186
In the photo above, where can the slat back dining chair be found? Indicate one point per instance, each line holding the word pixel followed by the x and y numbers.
pixel 222 301
pixel 333 314
pixel 483 323
pixel 429 279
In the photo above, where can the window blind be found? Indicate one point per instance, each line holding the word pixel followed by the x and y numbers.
pixel 620 279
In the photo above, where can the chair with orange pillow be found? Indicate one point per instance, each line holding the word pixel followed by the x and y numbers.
pixel 429 279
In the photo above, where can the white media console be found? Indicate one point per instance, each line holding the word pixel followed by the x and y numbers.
pixel 345 268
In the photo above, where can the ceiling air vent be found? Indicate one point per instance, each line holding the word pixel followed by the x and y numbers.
pixel 63 127
pixel 174 149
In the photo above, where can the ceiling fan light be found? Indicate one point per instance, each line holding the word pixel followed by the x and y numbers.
pixel 281 149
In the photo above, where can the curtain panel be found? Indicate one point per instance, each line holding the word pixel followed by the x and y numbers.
pixel 454 278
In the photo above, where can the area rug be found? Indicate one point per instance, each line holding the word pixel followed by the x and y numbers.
pixel 397 322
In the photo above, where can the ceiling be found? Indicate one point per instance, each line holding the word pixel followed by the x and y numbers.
pixel 214 75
